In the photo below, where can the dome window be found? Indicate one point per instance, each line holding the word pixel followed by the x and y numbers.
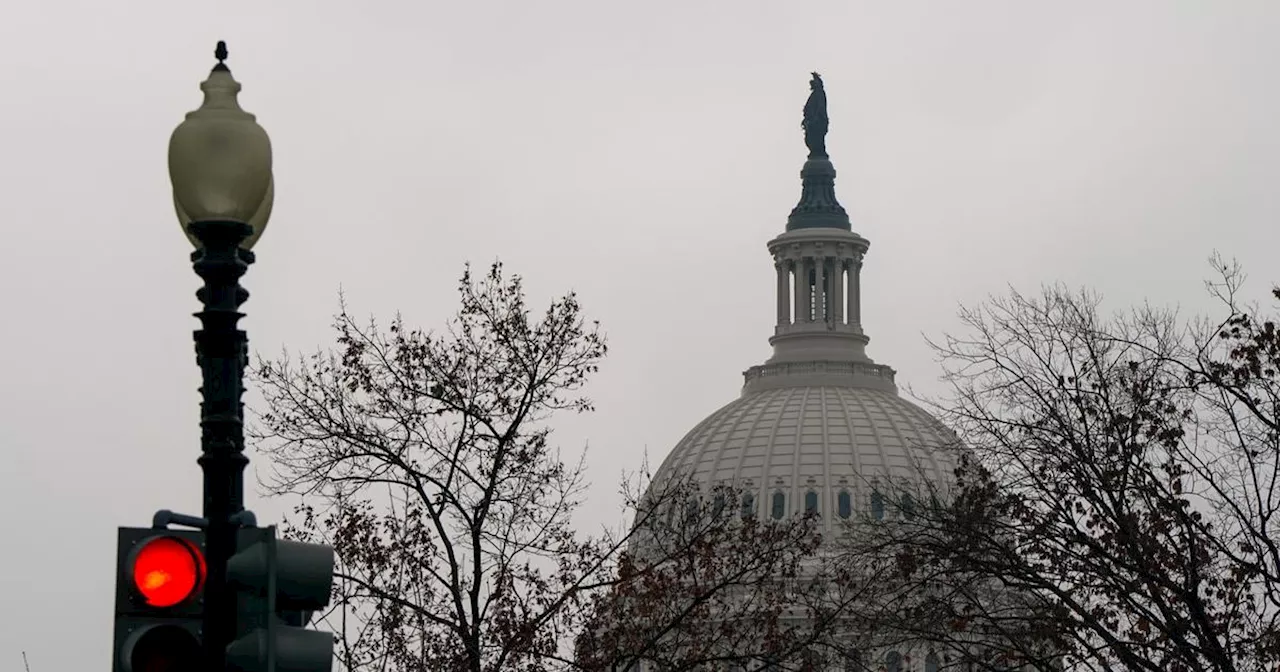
pixel 748 505
pixel 893 662
pixel 779 505
pixel 717 506
pixel 691 511
pixel 844 504
pixel 908 507
pixel 931 662
pixel 811 502
pixel 877 505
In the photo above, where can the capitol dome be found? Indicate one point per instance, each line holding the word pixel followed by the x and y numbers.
pixel 828 447
pixel 819 425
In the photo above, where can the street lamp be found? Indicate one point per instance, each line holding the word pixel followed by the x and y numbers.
pixel 220 167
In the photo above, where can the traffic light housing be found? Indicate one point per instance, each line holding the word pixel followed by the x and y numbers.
pixel 279 584
pixel 160 577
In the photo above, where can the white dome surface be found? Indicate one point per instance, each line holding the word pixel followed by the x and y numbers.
pixel 824 439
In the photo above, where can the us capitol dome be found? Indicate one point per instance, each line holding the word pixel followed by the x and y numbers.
pixel 819 425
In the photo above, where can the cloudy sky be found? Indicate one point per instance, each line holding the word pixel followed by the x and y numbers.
pixel 639 153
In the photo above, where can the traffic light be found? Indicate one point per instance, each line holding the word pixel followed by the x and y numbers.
pixel 279 584
pixel 160 578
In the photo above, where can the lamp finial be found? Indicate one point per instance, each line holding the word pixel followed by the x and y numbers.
pixel 220 53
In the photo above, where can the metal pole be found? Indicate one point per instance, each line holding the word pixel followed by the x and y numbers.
pixel 222 353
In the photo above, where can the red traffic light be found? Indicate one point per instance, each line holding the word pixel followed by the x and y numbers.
pixel 167 571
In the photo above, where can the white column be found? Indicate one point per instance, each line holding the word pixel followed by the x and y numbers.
pixel 809 289
pixel 819 296
pixel 800 290
pixel 784 292
pixel 837 291
pixel 855 292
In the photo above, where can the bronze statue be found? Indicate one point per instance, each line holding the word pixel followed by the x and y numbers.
pixel 815 119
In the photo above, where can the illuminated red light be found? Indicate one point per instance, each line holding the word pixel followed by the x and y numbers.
pixel 167 571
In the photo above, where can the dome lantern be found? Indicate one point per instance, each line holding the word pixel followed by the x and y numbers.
pixel 818 337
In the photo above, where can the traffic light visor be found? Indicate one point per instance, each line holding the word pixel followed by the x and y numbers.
pixel 167 571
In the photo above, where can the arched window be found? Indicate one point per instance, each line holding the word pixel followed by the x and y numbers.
pixel 748 505
pixel 717 506
pixel 844 504
pixel 811 502
pixel 931 662
pixel 877 505
pixel 853 662
pixel 779 505
pixel 893 662
pixel 691 510
pixel 908 507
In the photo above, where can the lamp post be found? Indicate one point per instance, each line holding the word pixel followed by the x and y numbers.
pixel 220 168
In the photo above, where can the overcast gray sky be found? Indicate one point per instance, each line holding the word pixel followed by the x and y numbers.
pixel 640 153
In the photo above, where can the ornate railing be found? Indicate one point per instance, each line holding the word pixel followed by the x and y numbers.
pixel 821 367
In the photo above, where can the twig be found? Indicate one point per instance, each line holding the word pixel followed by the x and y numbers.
pixel 24 661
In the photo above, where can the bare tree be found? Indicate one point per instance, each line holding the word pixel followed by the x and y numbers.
pixel 705 585
pixel 1116 505
pixel 424 459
